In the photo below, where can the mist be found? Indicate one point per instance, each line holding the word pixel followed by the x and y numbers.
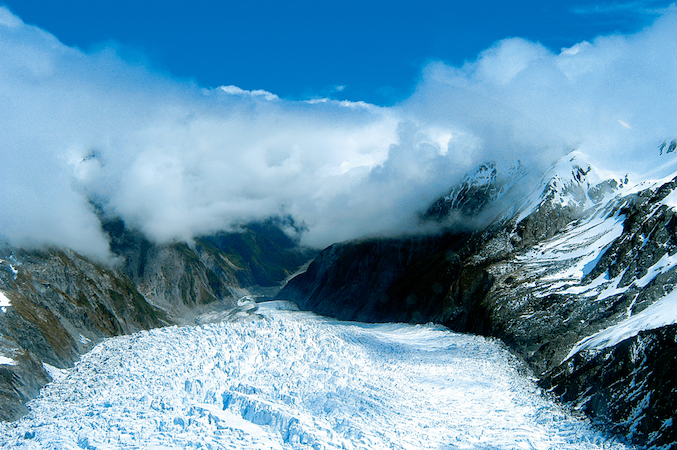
pixel 176 160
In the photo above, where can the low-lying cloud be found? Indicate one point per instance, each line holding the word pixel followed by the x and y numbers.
pixel 177 161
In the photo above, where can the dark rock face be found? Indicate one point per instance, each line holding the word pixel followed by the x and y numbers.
pixel 631 386
pixel 579 260
pixel 63 304
pixel 19 384
pixel 376 280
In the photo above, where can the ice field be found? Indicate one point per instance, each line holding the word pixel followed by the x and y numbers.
pixel 293 380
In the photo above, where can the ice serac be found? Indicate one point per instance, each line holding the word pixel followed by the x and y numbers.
pixel 294 380
pixel 556 277
pixel 60 305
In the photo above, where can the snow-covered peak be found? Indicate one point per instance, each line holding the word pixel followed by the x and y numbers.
pixel 573 182
pixel 477 191
pixel 483 175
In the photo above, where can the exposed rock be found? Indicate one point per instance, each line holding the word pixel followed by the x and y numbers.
pixel 61 305
pixel 631 386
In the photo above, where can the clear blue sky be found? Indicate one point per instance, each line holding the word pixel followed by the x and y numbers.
pixel 301 49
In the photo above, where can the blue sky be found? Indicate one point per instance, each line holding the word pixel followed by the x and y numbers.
pixel 353 49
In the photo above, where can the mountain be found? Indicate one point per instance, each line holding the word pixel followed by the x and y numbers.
pixel 56 304
pixel 476 193
pixel 576 278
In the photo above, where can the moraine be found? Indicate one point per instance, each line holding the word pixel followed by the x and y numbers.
pixel 287 380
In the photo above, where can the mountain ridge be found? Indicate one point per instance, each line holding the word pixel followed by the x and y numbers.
pixel 570 277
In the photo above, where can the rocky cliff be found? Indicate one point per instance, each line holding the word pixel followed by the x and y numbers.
pixel 577 279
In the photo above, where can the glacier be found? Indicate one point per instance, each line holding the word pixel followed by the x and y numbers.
pixel 284 379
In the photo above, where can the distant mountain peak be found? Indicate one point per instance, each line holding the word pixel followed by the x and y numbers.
pixel 478 189
pixel 574 184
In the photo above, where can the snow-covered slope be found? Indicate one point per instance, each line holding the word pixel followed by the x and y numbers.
pixel 622 223
pixel 294 380
pixel 476 195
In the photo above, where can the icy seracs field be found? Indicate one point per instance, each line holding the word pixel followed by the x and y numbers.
pixel 294 380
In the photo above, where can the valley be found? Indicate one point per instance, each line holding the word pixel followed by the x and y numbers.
pixel 576 281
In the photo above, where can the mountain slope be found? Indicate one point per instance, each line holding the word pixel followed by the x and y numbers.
pixel 584 253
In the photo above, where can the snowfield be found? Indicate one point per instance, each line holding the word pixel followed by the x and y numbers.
pixel 291 380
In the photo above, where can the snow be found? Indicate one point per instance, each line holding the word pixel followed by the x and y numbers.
pixel 4 302
pixel 659 314
pixel 7 361
pixel 564 175
pixel 664 264
pixel 570 256
pixel 671 199
pixel 11 262
pixel 293 380
pixel 54 372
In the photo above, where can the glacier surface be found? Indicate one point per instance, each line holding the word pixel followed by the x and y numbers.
pixel 292 380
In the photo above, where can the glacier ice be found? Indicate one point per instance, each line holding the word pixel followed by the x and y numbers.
pixel 295 380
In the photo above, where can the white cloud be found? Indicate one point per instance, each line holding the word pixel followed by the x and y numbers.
pixel 177 161
pixel 525 102
pixel 234 90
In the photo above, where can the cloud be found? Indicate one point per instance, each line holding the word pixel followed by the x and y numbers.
pixel 177 161
pixel 524 101
pixel 234 90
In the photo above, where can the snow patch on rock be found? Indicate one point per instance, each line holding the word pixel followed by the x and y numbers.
pixel 4 302
pixel 659 314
